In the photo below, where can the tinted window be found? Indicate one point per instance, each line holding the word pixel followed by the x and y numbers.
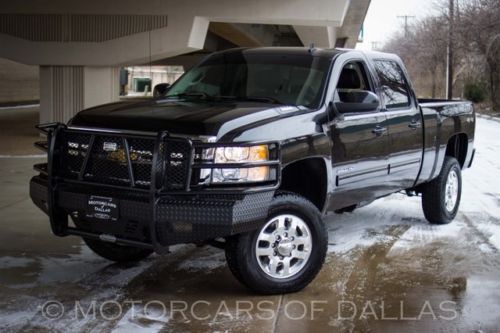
pixel 353 76
pixel 287 79
pixel 393 83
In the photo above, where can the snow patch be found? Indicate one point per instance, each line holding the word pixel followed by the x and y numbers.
pixel 69 268
pixel 422 235
pixel 141 320
pixel 492 231
pixel 206 263
pixel 15 262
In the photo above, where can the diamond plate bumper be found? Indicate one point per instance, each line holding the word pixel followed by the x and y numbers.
pixel 170 219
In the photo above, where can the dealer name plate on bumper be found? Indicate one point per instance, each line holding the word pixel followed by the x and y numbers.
pixel 102 208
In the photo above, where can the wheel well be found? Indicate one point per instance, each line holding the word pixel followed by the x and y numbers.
pixel 457 147
pixel 307 178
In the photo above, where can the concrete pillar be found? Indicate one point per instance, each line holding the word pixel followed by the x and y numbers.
pixel 65 90
pixel 101 85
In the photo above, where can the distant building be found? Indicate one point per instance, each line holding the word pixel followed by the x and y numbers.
pixel 142 79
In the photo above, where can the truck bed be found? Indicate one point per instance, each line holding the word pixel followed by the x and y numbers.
pixel 428 102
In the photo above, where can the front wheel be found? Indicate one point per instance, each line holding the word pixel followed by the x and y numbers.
pixel 441 196
pixel 286 253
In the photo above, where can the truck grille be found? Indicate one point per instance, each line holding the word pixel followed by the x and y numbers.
pixel 123 161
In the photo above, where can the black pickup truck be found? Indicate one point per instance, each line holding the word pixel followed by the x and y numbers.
pixel 248 151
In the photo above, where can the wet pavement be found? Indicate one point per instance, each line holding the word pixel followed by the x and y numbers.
pixel 387 270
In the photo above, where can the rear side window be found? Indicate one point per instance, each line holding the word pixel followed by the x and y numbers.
pixel 393 84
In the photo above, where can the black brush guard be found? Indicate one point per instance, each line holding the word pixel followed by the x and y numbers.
pixel 161 200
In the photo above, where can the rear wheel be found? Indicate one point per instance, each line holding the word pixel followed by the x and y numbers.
pixel 286 253
pixel 115 252
pixel 441 196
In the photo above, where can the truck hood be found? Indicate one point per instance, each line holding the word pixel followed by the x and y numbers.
pixel 199 117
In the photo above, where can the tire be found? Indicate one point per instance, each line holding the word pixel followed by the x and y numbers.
pixel 115 252
pixel 302 247
pixel 437 195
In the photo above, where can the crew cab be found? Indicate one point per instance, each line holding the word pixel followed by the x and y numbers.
pixel 248 151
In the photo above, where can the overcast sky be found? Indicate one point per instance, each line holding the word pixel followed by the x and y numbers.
pixel 382 18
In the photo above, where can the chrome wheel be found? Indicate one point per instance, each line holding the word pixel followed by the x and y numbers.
pixel 283 246
pixel 451 191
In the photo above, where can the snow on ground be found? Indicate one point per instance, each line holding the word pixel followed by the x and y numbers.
pixel 208 261
pixel 15 262
pixel 136 321
pixel 372 224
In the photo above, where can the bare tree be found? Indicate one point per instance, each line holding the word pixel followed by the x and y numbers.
pixel 424 53
pixel 478 31
pixel 476 48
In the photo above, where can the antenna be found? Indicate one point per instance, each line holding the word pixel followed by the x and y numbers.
pixel 150 58
pixel 311 48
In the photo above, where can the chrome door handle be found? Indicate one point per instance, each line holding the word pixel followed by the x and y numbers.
pixel 414 124
pixel 379 130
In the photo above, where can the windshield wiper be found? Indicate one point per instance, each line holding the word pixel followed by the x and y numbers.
pixel 190 94
pixel 252 98
pixel 206 96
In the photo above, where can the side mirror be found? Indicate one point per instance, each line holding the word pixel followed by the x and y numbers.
pixel 161 89
pixel 347 101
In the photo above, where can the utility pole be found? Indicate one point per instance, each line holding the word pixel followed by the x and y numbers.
pixel 405 18
pixel 375 45
pixel 449 68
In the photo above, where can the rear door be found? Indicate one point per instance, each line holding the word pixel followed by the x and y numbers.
pixel 404 123
pixel 359 145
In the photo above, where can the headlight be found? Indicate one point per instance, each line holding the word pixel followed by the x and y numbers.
pixel 224 155
pixel 241 154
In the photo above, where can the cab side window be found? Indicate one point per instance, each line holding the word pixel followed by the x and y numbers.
pixel 393 83
pixel 353 76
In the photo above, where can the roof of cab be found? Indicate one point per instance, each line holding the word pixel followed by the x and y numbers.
pixel 320 52
pixel 330 53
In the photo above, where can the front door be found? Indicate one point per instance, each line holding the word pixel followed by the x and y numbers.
pixel 359 146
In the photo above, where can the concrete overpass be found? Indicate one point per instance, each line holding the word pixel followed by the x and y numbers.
pixel 80 45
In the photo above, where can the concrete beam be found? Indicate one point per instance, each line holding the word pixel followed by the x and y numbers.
pixel 353 21
pixel 292 12
pixel 185 32
pixel 232 33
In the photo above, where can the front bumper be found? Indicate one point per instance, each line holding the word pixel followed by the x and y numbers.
pixel 171 219
pixel 156 208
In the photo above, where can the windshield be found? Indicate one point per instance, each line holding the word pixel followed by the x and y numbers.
pixel 276 78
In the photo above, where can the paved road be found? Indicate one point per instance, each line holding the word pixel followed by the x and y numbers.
pixel 387 271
